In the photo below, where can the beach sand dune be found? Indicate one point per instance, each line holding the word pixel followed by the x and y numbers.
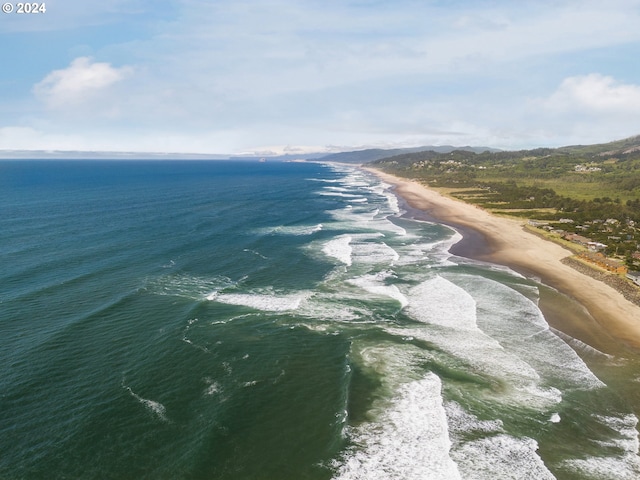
pixel 504 241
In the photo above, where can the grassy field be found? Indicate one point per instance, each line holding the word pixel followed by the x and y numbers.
pixel 580 189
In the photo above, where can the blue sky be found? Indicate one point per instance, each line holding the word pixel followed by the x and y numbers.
pixel 224 76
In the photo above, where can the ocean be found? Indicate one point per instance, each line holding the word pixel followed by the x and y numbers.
pixel 279 321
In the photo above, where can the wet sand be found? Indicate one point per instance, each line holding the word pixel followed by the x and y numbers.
pixel 504 241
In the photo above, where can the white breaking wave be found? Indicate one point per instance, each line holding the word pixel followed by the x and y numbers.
pixel 383 189
pixel 409 435
pixel 324 180
pixel 330 307
pixel 415 252
pixel 366 251
pixel 339 248
pixel 356 183
pixel 332 193
pixel 374 283
pixel 582 347
pixel 365 217
pixel 392 201
pixel 411 442
pixel 359 248
pixel 449 313
pixel 379 188
pixel 354 179
pixel 294 230
pixel 440 302
pixel 496 455
pixel 436 253
pixel 355 218
pixel 262 301
pixel 444 257
pixel 386 225
pixel 502 457
pixel 519 326
pixel 620 459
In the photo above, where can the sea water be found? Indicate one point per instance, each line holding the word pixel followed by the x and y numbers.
pixel 245 320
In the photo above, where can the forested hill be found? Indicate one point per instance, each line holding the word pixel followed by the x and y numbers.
pixel 373 154
pixel 576 188
pixel 585 172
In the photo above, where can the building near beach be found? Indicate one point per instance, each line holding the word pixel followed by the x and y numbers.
pixel 601 261
pixel 579 239
pixel 596 246
pixel 634 277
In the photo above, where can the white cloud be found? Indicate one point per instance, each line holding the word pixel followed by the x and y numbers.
pixel 231 76
pixel 583 109
pixel 238 63
pixel 596 93
pixel 81 81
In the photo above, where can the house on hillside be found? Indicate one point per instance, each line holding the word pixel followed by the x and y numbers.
pixel 596 246
pixel 537 223
pixel 579 239
pixel 601 261
pixel 634 277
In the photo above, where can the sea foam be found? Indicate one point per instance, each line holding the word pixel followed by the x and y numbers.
pixel 495 455
pixel 339 248
pixel 375 283
pixel 440 302
pixel 268 302
pixel 188 286
pixel 156 408
pixel 449 315
pixel 294 230
pixel 364 250
pixel 186 339
pixel 518 325
pixel 409 441
pixel 619 460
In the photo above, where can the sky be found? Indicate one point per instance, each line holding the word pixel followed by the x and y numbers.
pixel 291 76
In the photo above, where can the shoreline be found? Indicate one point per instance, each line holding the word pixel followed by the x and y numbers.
pixel 504 241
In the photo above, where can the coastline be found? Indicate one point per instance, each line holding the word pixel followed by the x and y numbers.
pixel 504 241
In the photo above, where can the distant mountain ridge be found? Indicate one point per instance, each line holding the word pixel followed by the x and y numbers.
pixel 623 156
pixel 373 154
pixel 624 146
pixel 618 147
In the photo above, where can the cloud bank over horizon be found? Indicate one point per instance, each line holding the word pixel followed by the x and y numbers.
pixel 195 76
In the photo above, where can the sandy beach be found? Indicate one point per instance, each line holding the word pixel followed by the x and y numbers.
pixel 504 241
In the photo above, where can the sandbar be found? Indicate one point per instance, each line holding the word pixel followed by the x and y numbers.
pixel 504 241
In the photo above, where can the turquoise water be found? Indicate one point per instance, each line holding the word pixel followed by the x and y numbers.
pixel 223 320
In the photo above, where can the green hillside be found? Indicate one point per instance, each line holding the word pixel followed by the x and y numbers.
pixel 372 154
pixel 582 185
